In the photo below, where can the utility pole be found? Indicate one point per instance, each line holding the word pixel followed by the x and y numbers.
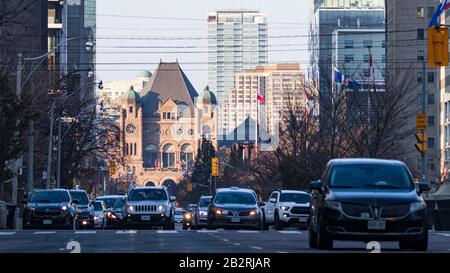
pixel 58 161
pixel 30 164
pixel 50 146
pixel 422 155
pixel 15 179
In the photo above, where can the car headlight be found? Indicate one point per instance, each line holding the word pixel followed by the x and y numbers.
pixel 187 216
pixel 417 206
pixel 96 218
pixel 161 207
pixel 336 205
pixel 252 213
pixel 219 212
pixel 286 208
pixel 130 208
pixel 111 215
pixel 203 213
pixel 64 208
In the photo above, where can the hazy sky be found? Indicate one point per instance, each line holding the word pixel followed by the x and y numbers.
pixel 126 35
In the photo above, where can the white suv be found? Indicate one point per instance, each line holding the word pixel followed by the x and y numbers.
pixel 287 207
pixel 149 207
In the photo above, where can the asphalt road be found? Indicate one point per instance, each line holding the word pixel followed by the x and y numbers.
pixel 179 241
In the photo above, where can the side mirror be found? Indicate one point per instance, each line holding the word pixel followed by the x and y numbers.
pixel 316 185
pixel 76 202
pixel 261 204
pixel 273 200
pixel 173 199
pixel 424 187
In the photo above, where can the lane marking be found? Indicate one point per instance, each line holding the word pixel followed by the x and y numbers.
pixel 126 232
pixel 282 252
pixel 248 231
pixel 226 240
pixel 166 231
pixel 44 232
pixel 206 231
pixel 444 234
pixel 85 232
pixel 5 233
pixel 236 244
pixel 290 232
pixel 256 247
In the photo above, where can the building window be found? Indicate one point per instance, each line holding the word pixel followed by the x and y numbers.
pixel 430 121
pixel 383 44
pixel 431 99
pixel 164 115
pixel 430 12
pixel 179 131
pixel 367 43
pixel 150 156
pixel 131 109
pixel 131 148
pixel 168 156
pixel 419 77
pixel 431 143
pixel 420 12
pixel 420 34
pixel 348 58
pixel 431 165
pixel 135 149
pixel 127 150
pixel 366 72
pixel 187 156
pixel 420 55
pixel 191 132
pixel 430 77
pixel 366 58
pixel 348 43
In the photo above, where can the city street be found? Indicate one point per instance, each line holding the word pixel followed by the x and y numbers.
pixel 179 241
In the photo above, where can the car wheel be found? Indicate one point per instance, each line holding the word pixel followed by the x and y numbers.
pixel 265 226
pixel 416 245
pixel 322 241
pixel 277 222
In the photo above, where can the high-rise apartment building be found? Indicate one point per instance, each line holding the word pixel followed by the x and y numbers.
pixel 406 51
pixel 237 40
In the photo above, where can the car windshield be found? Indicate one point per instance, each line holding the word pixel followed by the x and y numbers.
pixel 204 202
pixel 109 201
pixel 147 195
pixel 295 197
pixel 50 197
pixel 97 206
pixel 81 196
pixel 235 198
pixel 179 212
pixel 379 176
pixel 119 203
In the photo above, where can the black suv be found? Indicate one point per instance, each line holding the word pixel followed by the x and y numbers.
pixel 49 209
pixel 235 207
pixel 85 211
pixel 368 199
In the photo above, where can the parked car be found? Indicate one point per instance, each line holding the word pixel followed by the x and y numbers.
pixel 368 199
pixel 100 212
pixel 286 208
pixel 109 200
pixel 150 207
pixel 235 207
pixel 115 215
pixel 179 212
pixel 200 212
pixel 85 212
pixel 49 209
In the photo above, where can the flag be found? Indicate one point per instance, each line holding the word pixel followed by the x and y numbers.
pixel 439 10
pixel 342 79
pixel 261 99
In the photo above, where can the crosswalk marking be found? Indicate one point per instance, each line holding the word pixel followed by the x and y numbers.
pixel 7 233
pixel 167 231
pixel 44 232
pixel 290 232
pixel 248 231
pixel 206 231
pixel 126 232
pixel 256 247
pixel 236 244
pixel 282 252
pixel 85 232
pixel 444 234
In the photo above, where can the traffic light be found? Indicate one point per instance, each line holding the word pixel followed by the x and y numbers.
pixel 112 168
pixel 421 146
pixel 437 46
pixel 189 187
pixel 215 166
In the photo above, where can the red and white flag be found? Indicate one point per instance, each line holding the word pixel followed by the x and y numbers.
pixel 261 99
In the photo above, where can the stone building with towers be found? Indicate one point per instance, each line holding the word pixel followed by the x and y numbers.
pixel 162 126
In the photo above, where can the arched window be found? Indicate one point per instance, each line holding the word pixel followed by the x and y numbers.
pixel 206 132
pixel 187 156
pixel 150 156
pixel 168 156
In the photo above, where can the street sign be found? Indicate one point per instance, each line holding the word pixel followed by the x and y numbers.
pixel 421 146
pixel 215 166
pixel 421 122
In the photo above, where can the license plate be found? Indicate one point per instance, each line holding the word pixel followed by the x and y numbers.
pixel 303 219
pixel 47 222
pixel 235 220
pixel 145 217
pixel 224 212
pixel 377 225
